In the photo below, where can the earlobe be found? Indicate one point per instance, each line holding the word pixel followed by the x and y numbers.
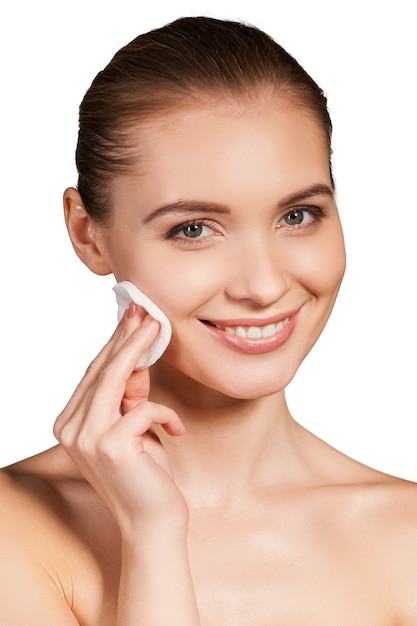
pixel 84 234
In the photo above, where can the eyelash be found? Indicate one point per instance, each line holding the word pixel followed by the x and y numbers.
pixel 173 233
pixel 317 214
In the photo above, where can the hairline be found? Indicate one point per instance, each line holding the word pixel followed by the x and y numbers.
pixel 235 104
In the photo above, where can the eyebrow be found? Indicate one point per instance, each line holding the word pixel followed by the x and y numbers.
pixel 192 206
pixel 306 194
pixel 186 206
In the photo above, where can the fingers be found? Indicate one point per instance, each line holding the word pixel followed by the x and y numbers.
pixel 122 438
pixel 105 379
pixel 137 389
pixel 106 429
pixel 133 317
pixel 112 379
pixel 121 331
pixel 116 442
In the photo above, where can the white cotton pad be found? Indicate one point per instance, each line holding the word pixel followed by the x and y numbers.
pixel 126 292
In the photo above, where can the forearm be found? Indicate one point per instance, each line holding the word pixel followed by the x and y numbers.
pixel 156 587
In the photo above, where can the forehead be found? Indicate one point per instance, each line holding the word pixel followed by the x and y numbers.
pixel 207 151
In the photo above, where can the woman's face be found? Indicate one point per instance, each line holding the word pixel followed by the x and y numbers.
pixel 231 227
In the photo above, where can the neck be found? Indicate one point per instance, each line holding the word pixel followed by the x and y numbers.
pixel 231 446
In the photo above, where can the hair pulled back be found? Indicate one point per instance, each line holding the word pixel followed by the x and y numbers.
pixel 191 58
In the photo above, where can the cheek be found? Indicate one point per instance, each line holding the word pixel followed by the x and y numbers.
pixel 178 284
pixel 319 262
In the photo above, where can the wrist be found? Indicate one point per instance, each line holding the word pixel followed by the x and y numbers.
pixel 146 535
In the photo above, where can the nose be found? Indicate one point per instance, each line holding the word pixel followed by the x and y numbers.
pixel 259 275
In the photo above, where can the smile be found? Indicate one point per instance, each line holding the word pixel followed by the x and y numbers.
pixel 250 337
pixel 255 332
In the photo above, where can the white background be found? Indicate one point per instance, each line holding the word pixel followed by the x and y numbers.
pixel 357 388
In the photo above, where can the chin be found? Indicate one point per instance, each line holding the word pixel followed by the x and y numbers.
pixel 229 373
pixel 248 383
pixel 254 390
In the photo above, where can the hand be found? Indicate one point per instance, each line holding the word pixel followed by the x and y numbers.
pixel 106 429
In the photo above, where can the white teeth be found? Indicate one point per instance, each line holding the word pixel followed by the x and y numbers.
pixel 269 330
pixel 256 332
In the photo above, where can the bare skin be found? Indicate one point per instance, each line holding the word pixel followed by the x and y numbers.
pixel 188 495
pixel 340 548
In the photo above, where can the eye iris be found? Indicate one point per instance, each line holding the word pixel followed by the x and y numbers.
pixel 193 230
pixel 294 218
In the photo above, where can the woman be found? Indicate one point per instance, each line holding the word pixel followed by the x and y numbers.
pixel 186 493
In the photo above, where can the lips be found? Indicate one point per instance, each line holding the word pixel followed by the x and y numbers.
pixel 253 336
pixel 254 332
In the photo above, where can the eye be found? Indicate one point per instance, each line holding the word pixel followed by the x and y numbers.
pixel 296 217
pixel 301 217
pixel 194 230
pixel 197 232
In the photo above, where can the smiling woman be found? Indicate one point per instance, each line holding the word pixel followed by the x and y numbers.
pixel 205 181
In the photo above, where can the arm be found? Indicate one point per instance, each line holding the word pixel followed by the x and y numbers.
pixel 107 430
pixel 30 594
pixel 156 587
pixel 29 597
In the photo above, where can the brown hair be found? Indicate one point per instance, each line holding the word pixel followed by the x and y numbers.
pixel 191 58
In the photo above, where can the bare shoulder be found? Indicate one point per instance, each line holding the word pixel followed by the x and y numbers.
pixel 389 505
pixel 45 546
pixel 384 503
pixel 29 535
pixel 370 520
pixel 390 529
pixel 27 501
pixel 378 520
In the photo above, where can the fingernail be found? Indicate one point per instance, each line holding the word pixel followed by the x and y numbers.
pixel 131 310
pixel 148 321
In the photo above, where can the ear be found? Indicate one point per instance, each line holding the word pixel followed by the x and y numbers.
pixel 86 236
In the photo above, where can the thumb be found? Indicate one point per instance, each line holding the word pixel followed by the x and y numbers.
pixel 137 390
